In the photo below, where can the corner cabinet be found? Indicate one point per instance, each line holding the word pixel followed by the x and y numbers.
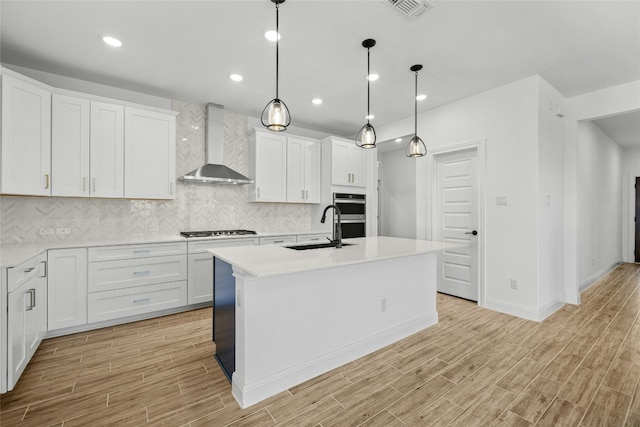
pixel 26 136
pixel 67 288
pixel 285 168
pixel 268 167
pixel 150 154
pixel 348 163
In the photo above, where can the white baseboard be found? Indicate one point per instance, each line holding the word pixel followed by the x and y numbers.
pixel 597 276
pixel 524 312
pixel 128 319
pixel 249 394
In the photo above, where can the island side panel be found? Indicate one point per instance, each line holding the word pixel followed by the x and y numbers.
pixel 291 328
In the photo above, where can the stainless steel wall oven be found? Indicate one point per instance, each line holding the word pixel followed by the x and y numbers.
pixel 353 208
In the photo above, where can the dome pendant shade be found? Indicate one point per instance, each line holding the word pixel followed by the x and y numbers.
pixel 366 137
pixel 416 147
pixel 275 116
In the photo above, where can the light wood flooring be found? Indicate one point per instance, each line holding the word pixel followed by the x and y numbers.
pixel 475 368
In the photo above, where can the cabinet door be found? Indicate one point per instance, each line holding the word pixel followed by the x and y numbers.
pixel 200 278
pixel 312 172
pixel 22 329
pixel 41 300
pixel 26 138
pixel 358 167
pixel 150 154
pixel 296 170
pixel 270 166
pixel 70 146
pixel 107 150
pixel 340 173
pixel 67 288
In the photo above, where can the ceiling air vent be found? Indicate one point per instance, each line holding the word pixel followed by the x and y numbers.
pixel 411 8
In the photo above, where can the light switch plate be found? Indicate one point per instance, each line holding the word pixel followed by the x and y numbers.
pixel 63 231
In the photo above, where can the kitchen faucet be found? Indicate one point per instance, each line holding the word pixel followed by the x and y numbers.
pixel 337 228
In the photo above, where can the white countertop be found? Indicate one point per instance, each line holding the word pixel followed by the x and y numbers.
pixel 273 260
pixel 12 254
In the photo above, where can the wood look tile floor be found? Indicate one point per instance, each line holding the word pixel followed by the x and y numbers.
pixel 580 367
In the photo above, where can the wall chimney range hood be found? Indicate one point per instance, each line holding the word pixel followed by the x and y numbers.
pixel 214 171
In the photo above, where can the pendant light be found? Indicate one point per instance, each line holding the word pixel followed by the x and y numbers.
pixel 275 115
pixel 366 137
pixel 416 147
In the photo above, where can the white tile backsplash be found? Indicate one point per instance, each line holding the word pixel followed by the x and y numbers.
pixel 196 207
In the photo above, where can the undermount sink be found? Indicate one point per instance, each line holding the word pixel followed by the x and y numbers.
pixel 315 246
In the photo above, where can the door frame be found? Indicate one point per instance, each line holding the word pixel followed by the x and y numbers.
pixel 479 146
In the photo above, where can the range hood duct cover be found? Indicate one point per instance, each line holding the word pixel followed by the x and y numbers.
pixel 214 171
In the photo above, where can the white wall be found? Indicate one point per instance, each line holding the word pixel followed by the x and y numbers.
pixel 630 170
pixel 507 117
pixel 550 199
pixel 599 203
pixel 397 175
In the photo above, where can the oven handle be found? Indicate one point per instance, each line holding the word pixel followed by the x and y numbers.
pixel 349 201
pixel 351 221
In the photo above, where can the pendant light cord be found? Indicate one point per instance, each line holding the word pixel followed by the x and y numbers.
pixel 415 110
pixel 368 84
pixel 277 44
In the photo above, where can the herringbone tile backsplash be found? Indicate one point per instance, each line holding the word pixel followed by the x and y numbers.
pixel 196 207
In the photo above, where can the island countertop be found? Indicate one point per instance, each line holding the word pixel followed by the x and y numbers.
pixel 273 260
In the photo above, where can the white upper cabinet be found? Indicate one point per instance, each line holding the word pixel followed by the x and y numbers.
pixel 107 150
pixel 303 170
pixel 348 164
pixel 268 167
pixel 70 146
pixel 26 137
pixel 150 154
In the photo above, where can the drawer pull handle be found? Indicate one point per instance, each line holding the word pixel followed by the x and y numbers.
pixel 137 273
pixel 29 270
pixel 278 241
pixel 142 251
pixel 135 301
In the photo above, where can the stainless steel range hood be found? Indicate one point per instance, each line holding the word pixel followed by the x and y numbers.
pixel 214 171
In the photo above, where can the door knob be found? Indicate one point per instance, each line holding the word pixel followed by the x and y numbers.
pixel 474 232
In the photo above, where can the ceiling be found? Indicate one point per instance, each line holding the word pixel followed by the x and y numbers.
pixel 623 129
pixel 186 50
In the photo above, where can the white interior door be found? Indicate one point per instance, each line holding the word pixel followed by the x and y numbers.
pixel 456 222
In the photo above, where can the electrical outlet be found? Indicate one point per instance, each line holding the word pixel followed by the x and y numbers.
pixel 154 228
pixel 46 231
pixel 515 284
pixel 383 305
pixel 63 231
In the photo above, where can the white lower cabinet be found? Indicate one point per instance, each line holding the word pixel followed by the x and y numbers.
pixel 26 315
pixel 200 282
pixel 129 280
pixel 67 300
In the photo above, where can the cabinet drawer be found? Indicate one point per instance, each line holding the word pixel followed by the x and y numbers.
pixel 110 275
pixel 203 245
pixel 119 303
pixel 22 273
pixel 277 240
pixel 108 253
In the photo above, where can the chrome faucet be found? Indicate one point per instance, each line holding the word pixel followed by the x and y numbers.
pixel 337 228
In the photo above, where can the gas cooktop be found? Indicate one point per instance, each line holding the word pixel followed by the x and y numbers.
pixel 216 233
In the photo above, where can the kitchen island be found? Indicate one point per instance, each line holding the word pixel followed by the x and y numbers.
pixel 299 314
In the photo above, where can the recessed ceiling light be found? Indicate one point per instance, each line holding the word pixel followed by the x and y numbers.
pixel 398 140
pixel 317 101
pixel 369 117
pixel 272 36
pixel 236 77
pixel 373 77
pixel 112 41
pixel 421 97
